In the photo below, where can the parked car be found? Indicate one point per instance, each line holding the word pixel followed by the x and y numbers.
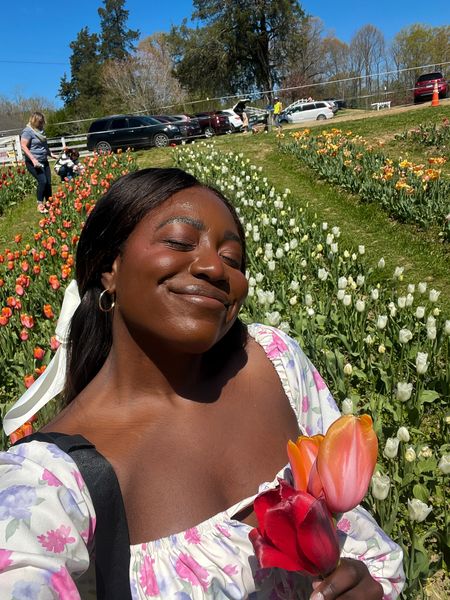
pixel 425 85
pixel 307 111
pixel 189 126
pixel 235 119
pixel 125 131
pixel 339 103
pixel 332 104
pixel 213 123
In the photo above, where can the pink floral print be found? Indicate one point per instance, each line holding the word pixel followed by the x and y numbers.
pixel 5 559
pixel 188 568
pixel 64 586
pixel 50 478
pixel 193 536
pixel 56 540
pixel 147 577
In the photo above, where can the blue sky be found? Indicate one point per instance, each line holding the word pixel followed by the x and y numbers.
pixel 40 31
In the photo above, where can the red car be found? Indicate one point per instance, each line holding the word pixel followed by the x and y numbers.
pixel 425 85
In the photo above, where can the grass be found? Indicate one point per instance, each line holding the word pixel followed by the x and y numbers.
pixel 420 252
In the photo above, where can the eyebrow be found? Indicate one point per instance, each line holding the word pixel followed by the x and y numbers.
pixel 228 235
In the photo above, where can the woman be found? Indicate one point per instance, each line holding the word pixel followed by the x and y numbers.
pixel 192 409
pixel 35 147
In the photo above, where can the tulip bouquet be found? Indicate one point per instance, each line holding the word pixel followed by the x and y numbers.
pixel 330 475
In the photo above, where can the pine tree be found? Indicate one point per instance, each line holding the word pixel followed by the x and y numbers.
pixel 116 39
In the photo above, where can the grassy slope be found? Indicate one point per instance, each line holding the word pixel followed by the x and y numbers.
pixel 424 259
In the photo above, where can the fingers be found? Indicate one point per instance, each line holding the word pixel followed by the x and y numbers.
pixel 351 580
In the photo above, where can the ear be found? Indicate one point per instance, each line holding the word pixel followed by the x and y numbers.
pixel 109 278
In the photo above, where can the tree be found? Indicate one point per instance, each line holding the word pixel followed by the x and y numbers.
pixel 144 81
pixel 116 39
pixel 250 41
pixel 84 86
pixel 367 54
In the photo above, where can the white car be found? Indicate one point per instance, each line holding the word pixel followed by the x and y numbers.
pixel 233 117
pixel 309 111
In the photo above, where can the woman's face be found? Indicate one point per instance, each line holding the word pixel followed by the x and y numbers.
pixel 178 279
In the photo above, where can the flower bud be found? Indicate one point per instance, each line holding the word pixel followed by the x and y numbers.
pixel 381 263
pixel 347 407
pixel 382 321
pixel 444 464
pixel 391 448
pixel 360 305
pixel 404 336
pixel 375 294
pixel 403 434
pixel 410 454
pixel 348 369
pixel 380 486
pixel 434 295
pixel 422 287
pixel 420 312
pixel 421 362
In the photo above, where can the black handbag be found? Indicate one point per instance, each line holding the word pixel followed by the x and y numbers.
pixel 112 542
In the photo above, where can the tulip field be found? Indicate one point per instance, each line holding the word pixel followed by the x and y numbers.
pixel 381 342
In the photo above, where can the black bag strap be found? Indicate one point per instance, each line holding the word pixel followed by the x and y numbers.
pixel 112 542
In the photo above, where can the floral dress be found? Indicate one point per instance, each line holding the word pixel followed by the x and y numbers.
pixel 47 521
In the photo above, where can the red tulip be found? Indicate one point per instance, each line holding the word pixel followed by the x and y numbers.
pixel 296 532
pixel 38 353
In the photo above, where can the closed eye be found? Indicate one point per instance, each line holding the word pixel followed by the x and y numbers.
pixel 233 262
pixel 179 245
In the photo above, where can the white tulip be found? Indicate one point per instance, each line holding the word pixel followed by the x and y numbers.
pixel 375 294
pixel 422 362
pixel 334 248
pixel 342 283
pixel 279 253
pixel 409 299
pixel 434 295
pixel 322 274
pixel 270 297
pixel 271 265
pixel 360 280
pixel 382 321
pixel 447 327
pixel 273 318
pixel 444 464
pixel 346 254
pixel 259 277
pixel 284 326
pixel 310 311
pixel 336 231
pixel 360 305
pixel 404 336
pixel 418 510
pixel 347 406
pixel 404 391
pixel 403 434
pixel 324 226
pixel 308 300
pixel 398 272
pixel 410 454
pixel 422 287
pixel 391 448
pixel 303 263
pixel 392 309
pixel 401 301
pixel 369 340
pixel 256 236
pixel 330 239
pixel 431 333
pixel 381 349
pixel 380 486
pixel 294 285
pixel 348 369
pixel 381 263
pixel 420 312
pixel 293 243
pixel 293 300
pixel 411 288
pixel 436 311
pixel 347 300
pixel 340 294
pixel 361 249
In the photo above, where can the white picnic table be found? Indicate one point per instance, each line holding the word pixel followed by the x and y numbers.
pixel 380 105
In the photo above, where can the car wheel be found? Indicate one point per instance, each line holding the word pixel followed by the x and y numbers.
pixel 283 121
pixel 103 147
pixel 161 140
pixel 321 118
pixel 209 132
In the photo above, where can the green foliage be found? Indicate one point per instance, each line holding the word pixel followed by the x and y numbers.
pixel 15 184
pixel 249 42
pixel 116 39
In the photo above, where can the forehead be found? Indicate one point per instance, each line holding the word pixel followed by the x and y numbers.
pixel 196 203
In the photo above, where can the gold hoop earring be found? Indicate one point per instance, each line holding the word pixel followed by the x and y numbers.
pixel 100 299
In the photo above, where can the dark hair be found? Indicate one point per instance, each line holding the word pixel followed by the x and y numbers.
pixel 106 230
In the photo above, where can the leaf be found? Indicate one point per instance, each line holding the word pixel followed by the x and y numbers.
pixel 428 396
pixel 421 492
pixel 11 528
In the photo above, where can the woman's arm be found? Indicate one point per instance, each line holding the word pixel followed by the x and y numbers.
pixel 47 521
pixel 24 144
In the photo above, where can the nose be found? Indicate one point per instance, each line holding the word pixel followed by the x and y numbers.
pixel 208 264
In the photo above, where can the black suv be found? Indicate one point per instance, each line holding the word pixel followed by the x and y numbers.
pixel 130 131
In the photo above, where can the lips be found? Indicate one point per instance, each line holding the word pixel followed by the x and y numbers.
pixel 194 290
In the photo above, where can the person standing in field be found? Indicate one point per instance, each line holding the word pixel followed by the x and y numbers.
pixel 277 110
pixel 35 147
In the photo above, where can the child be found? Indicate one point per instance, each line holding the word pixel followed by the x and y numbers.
pixel 67 165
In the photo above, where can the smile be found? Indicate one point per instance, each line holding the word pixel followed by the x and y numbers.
pixel 203 296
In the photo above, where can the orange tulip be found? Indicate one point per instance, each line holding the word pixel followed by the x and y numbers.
pixel 338 466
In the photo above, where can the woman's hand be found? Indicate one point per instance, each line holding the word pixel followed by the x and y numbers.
pixel 351 580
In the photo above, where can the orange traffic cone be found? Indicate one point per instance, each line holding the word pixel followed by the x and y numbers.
pixel 435 99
